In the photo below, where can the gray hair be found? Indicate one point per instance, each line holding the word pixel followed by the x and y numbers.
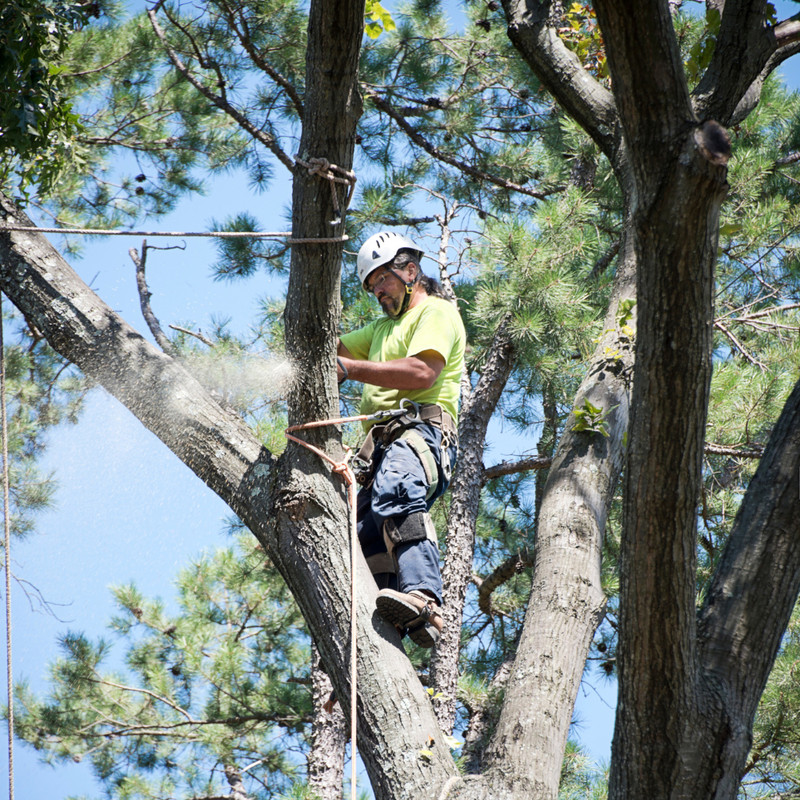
pixel 431 286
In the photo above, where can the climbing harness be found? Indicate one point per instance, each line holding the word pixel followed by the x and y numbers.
pixel 7 554
pixel 400 423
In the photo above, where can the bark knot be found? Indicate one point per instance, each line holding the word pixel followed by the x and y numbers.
pixel 713 142
pixel 292 503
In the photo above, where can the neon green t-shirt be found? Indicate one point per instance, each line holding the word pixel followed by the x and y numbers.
pixel 433 324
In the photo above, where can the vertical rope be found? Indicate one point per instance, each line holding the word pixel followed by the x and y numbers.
pixel 351 496
pixel 343 468
pixel 7 542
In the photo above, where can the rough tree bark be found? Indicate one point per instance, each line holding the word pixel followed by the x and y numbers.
pixel 464 506
pixel 329 732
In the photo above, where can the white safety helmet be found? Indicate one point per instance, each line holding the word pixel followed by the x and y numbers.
pixel 379 250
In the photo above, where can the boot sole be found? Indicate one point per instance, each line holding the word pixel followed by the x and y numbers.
pixel 405 615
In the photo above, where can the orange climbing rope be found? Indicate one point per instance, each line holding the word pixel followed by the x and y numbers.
pixel 343 468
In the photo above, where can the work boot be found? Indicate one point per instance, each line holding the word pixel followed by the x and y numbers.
pixel 412 613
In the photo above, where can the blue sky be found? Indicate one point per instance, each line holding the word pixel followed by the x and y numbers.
pixel 127 509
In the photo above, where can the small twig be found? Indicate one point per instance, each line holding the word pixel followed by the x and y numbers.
pixel 196 335
pixel 739 346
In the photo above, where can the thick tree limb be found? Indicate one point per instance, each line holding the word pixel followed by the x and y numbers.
pixel 649 85
pixel 525 755
pixel 747 49
pixel 87 332
pixel 736 652
pixel 532 29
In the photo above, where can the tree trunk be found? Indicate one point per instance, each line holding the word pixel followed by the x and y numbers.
pixel 295 507
pixel 567 602
pixel 464 507
pixel 328 737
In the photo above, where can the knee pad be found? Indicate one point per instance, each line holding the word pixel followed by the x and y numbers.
pixel 416 527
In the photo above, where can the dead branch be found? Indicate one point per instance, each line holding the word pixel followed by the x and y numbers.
pixel 510 567
pixel 144 301
pixel 514 467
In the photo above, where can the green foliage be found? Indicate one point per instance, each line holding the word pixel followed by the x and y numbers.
pixel 37 122
pixel 757 313
pixel 242 257
pixel 220 682
pixel 701 52
pixel 147 135
pixel 591 419
pixel 379 19
pixel 580 778
pixel 582 35
pixel 773 767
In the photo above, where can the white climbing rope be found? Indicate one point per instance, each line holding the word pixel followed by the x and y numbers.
pixel 178 234
pixel 7 553
pixel 330 172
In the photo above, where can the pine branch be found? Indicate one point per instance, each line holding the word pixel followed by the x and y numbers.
pixel 446 158
pixel 219 100
pixel 738 345
pixel 245 39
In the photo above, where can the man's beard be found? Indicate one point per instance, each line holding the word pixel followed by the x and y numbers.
pixel 390 306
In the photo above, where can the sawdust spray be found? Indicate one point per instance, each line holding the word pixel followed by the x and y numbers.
pixel 242 379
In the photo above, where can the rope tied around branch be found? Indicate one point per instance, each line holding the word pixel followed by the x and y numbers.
pixel 333 174
pixel 5 227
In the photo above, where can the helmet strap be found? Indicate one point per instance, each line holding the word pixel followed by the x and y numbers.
pixel 409 290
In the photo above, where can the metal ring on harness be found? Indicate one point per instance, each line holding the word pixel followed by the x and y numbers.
pixel 417 417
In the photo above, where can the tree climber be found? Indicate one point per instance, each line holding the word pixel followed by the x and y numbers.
pixel 410 359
